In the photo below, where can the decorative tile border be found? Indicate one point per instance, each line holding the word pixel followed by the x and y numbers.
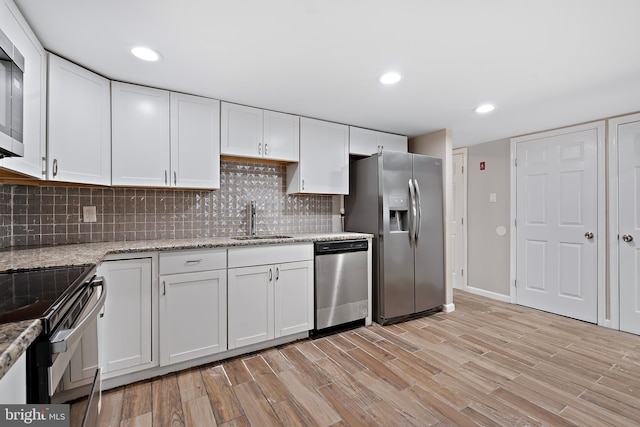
pixel 52 215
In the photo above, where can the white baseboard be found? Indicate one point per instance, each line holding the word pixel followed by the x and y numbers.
pixel 448 308
pixel 489 294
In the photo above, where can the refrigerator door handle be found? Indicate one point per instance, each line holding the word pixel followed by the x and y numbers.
pixel 414 213
pixel 419 209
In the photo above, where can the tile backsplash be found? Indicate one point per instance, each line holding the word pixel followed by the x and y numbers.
pixel 32 215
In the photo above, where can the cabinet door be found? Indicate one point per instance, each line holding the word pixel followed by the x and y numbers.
pixel 195 142
pixel 79 127
pixel 34 96
pixel 13 385
pixel 240 130
pixel 193 315
pixel 140 140
pixel 324 159
pixel 293 298
pixel 365 142
pixel 392 142
pixel 281 136
pixel 250 307
pixel 126 342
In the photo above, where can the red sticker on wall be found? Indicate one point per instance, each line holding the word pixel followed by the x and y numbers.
pixel 481 166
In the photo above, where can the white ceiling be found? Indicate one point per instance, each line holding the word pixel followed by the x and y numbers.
pixel 544 63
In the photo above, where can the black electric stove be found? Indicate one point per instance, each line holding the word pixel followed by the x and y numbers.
pixel 45 293
pixel 62 298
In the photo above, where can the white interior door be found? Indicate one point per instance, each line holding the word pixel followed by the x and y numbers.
pixel 628 135
pixel 557 222
pixel 458 235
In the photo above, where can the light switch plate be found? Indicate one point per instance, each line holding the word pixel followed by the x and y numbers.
pixel 89 214
pixel 492 197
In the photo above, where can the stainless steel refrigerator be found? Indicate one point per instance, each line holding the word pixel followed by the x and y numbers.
pixel 397 197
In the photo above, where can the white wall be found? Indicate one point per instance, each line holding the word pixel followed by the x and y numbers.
pixel 488 253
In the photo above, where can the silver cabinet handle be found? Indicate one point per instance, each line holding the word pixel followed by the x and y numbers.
pixel 270 275
pixel 164 287
pixel 266 149
pixel 165 177
pixel 260 148
pixel 303 185
pixel 55 167
pixel 588 235
pixel 627 238
pixel 175 178
pixel 277 273
pixel 193 262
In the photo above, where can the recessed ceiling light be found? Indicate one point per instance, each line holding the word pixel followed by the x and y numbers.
pixel 145 53
pixel 390 78
pixel 485 108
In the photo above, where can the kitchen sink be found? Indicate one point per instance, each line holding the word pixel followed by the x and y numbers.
pixel 262 237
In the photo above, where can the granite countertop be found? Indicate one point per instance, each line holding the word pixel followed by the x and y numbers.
pixel 17 336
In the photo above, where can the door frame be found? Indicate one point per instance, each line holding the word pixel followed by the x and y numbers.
pixel 614 241
pixel 465 275
pixel 600 126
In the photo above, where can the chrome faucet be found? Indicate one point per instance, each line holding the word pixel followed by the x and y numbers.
pixel 252 218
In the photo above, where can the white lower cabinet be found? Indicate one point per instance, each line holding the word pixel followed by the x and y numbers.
pixel 13 385
pixel 193 305
pixel 127 324
pixel 268 297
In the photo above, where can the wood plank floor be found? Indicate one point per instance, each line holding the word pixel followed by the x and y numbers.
pixel 488 363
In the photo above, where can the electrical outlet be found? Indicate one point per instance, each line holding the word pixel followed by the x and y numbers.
pixel 89 214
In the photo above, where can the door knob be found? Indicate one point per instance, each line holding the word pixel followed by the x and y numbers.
pixel 627 238
pixel 588 235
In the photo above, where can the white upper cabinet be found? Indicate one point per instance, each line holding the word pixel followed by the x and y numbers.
pixel 365 142
pixel 140 136
pixel 195 141
pixel 281 136
pixel 324 159
pixel 164 140
pixel 34 95
pixel 252 132
pixel 79 127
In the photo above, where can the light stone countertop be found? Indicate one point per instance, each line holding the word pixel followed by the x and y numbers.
pixel 16 337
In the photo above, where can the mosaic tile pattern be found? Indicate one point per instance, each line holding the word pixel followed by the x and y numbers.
pixel 5 216
pixel 52 215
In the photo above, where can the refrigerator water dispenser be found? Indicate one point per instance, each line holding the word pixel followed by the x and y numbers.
pixel 398 213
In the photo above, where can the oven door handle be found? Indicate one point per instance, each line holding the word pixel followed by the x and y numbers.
pixel 60 339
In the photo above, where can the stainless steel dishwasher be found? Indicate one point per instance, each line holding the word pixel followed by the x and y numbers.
pixel 340 282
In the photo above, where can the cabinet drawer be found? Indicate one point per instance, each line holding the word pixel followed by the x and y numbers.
pixel 192 260
pixel 271 254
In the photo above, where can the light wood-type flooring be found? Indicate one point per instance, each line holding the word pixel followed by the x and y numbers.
pixel 488 363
